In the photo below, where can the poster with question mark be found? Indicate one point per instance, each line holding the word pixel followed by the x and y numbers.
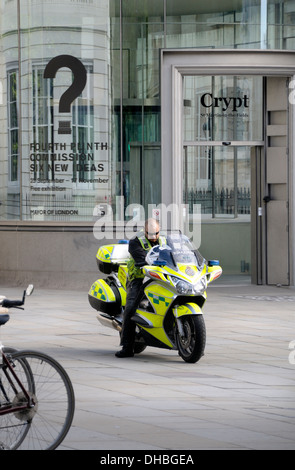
pixel 56 165
pixel 76 88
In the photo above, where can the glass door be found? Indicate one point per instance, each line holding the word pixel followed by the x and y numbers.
pixel 217 185
pixel 218 178
pixel 222 126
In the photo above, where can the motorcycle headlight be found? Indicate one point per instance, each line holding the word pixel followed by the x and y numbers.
pixel 181 286
pixel 185 288
pixel 201 285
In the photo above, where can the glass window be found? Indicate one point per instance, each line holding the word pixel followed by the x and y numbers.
pixel 66 119
pixel 223 108
pixel 142 38
pixel 82 128
pixel 117 115
pixel 13 131
pixel 227 24
pixel 42 91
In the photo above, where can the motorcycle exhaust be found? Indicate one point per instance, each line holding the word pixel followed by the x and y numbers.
pixel 109 323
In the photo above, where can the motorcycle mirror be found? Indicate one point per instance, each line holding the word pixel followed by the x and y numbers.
pixel 159 263
pixel 213 262
pixel 29 289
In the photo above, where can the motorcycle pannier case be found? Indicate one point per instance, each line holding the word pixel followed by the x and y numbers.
pixel 104 296
pixel 110 257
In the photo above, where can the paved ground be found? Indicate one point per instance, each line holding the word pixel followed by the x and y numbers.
pixel 241 395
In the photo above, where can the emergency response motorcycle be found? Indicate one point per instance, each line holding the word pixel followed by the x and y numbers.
pixel 169 313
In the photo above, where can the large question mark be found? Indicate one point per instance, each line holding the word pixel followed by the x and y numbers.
pixel 79 82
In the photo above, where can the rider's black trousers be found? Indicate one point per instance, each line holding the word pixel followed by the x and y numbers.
pixel 132 300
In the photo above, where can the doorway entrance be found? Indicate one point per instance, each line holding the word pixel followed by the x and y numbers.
pixel 222 123
pixel 225 148
pixel 217 185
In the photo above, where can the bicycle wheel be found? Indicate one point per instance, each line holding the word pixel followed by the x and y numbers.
pixel 51 388
pixel 13 430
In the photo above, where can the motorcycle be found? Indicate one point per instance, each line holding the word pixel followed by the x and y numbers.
pixel 169 313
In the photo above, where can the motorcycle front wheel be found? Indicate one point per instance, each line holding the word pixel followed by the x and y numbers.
pixel 139 347
pixel 192 340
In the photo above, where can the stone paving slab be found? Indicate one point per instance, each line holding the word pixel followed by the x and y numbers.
pixel 239 396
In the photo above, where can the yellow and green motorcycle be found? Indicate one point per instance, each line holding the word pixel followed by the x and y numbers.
pixel 169 313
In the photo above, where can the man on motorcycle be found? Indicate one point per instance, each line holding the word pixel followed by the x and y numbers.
pixel 138 249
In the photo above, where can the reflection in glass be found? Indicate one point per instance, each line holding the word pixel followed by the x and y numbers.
pixel 13 134
pixel 222 108
pixel 219 179
pixel 122 39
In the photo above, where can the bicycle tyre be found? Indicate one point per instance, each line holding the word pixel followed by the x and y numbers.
pixel 13 431
pixel 53 414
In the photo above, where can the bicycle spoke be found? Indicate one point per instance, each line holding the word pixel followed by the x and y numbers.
pixel 50 389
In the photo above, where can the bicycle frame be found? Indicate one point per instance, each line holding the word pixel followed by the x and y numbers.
pixel 29 379
pixel 7 368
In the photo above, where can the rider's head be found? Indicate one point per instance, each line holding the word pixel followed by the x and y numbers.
pixel 152 230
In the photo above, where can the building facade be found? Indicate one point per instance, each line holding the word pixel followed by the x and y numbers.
pixel 115 110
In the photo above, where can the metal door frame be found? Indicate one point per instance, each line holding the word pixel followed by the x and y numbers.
pixel 175 64
pixel 258 223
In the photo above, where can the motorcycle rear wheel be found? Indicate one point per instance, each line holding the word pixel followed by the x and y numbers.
pixel 191 344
